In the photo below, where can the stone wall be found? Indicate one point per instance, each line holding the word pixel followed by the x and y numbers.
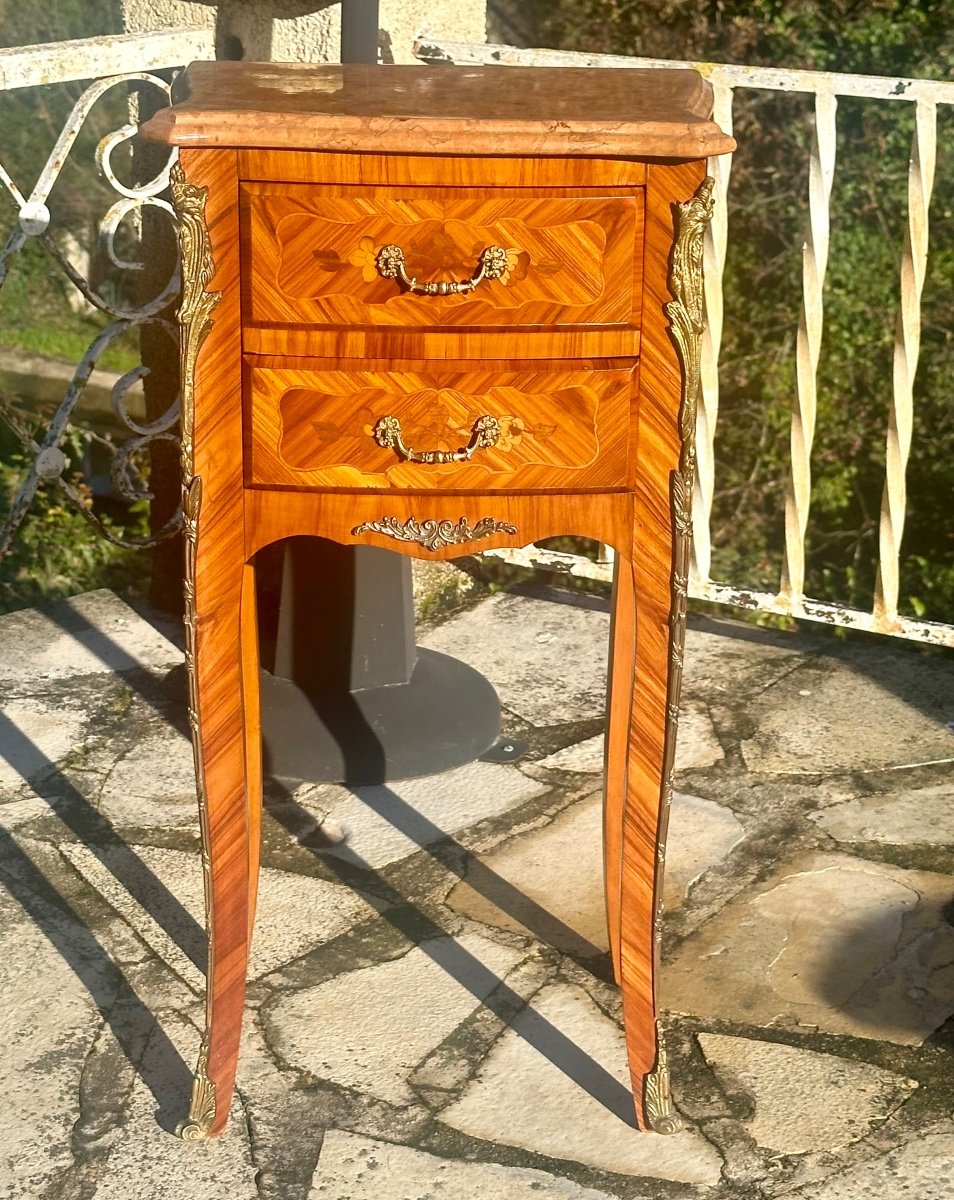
pixel 278 30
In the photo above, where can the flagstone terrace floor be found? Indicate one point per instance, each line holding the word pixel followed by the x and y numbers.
pixel 430 1012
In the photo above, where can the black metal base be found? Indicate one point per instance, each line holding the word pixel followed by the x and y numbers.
pixel 447 714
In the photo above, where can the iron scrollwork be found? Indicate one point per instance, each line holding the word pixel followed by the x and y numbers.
pixel 48 461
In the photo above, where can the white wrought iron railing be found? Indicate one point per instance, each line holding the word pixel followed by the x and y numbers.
pixel 129 61
pixel 135 59
pixel 826 88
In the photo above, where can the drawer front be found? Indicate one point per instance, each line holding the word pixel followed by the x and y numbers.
pixel 511 428
pixel 312 257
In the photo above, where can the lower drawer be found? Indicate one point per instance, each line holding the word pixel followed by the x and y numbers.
pixel 437 425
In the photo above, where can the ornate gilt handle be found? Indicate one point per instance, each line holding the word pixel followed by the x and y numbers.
pixel 492 264
pixel 387 433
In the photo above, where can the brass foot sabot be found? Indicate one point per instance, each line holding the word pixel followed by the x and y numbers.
pixel 657 1095
pixel 202 1106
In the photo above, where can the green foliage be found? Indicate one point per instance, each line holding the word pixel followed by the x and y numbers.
pixel 56 552
pixel 767 223
pixel 56 20
pixel 35 314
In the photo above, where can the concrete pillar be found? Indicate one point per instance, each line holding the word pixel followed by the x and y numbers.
pixel 279 31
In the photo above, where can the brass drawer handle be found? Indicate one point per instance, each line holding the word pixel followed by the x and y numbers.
pixel 387 433
pixel 492 264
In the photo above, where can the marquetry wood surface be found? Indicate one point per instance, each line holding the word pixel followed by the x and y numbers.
pixel 311 255
pixel 634 423
pixel 639 824
pixel 313 426
pixel 252 732
pixel 473 110
pixel 498 345
pixel 558 174
pixel 270 516
pixel 227 693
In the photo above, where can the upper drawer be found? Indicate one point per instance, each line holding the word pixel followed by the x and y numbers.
pixel 311 256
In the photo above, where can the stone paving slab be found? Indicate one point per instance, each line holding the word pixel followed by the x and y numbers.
pixel 368 1029
pixel 802 1100
pixel 34 736
pixel 727 662
pixel 701 834
pixel 546 659
pixel 14 813
pixel 548 1086
pixel 376 826
pixel 51 985
pixel 153 785
pixel 830 942
pixel 572 919
pixel 93 634
pixel 818 718
pixel 924 816
pixel 921 1170
pixel 547 656
pixel 294 913
pixel 357 1168
pixel 483 1061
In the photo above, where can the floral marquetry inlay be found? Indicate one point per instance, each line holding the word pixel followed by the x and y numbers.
pixel 565 260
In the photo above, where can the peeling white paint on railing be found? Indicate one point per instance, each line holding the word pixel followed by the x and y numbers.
pixel 97 57
pixel 826 87
pixel 773 79
pixel 124 61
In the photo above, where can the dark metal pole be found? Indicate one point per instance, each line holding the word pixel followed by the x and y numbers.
pixel 346 693
pixel 359 31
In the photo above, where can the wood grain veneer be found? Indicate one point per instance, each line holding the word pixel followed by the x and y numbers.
pixel 308 349
pixel 479 345
pixel 559 173
pixel 313 427
pixel 311 255
pixel 226 686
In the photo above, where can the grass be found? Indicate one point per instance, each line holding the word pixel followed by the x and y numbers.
pixel 36 317
pixel 67 343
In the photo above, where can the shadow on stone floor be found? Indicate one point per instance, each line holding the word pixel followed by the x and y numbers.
pixel 489 1053
pixel 459 963
pixel 94 831
pixel 64 927
pixel 130 1020
pixel 890 977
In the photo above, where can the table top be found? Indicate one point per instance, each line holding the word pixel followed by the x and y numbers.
pixel 629 112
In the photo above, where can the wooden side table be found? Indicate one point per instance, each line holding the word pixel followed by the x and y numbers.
pixel 438 311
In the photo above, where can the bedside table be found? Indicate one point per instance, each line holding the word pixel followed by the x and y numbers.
pixel 438 310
